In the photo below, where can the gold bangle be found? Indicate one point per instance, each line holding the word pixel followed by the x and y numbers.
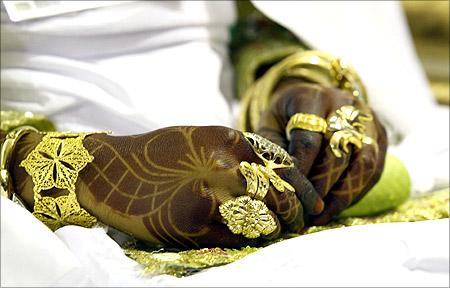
pixel 309 122
pixel 314 66
pixel 6 150
pixel 55 163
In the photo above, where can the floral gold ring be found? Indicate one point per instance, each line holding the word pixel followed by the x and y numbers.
pixel 344 127
pixel 248 217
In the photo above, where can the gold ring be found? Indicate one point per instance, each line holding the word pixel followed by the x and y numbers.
pixel 309 122
pixel 257 182
pixel 345 126
pixel 248 217
pixel 258 177
pixel 271 154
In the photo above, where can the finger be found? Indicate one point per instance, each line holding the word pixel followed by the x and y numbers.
pixel 219 232
pixel 272 130
pixel 328 170
pixel 351 187
pixel 310 200
pixel 303 144
pixel 287 207
pixel 361 175
pixel 382 149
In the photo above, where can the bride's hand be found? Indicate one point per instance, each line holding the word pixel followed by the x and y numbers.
pixel 167 186
pixel 341 178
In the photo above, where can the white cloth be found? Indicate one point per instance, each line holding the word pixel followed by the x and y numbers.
pixel 388 255
pixel 129 68
pixel 392 254
pixel 374 37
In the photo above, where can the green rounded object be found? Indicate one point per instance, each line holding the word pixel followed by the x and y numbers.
pixel 392 189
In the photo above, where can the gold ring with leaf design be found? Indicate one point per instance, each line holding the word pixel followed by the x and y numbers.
pixel 257 175
pixel 248 217
pixel 344 127
pixel 257 183
pixel 305 121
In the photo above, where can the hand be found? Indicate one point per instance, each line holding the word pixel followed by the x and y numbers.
pixel 339 181
pixel 166 186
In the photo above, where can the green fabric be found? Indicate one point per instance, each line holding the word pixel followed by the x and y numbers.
pixel 12 119
pixel 256 44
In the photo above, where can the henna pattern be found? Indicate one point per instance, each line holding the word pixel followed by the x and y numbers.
pixel 324 175
pixel 163 178
pixel 165 186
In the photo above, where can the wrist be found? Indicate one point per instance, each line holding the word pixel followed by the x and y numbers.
pixel 7 155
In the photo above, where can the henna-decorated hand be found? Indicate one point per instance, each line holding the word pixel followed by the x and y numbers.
pixel 340 181
pixel 166 186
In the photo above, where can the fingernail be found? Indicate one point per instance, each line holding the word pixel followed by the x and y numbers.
pixel 318 208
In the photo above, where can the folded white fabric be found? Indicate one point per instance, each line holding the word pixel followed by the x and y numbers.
pixel 388 255
pixel 32 255
pixel 129 68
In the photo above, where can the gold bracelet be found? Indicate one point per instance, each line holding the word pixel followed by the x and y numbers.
pixel 6 150
pixel 313 66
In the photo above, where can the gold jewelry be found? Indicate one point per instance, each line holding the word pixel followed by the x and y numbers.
pixel 271 154
pixel 5 155
pixel 248 217
pixel 276 180
pixel 314 66
pixel 345 127
pixel 56 162
pixel 257 182
pixel 258 176
pixel 306 121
